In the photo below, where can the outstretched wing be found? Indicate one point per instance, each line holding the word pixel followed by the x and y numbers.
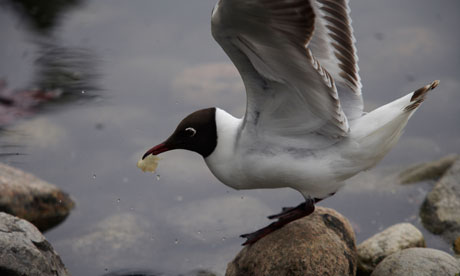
pixel 290 93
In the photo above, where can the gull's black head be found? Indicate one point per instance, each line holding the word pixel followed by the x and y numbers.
pixel 197 132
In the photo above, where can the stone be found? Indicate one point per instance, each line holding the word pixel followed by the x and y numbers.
pixel 320 244
pixel 25 251
pixel 457 245
pixel 393 239
pixel 440 211
pixel 418 262
pixel 427 171
pixel 33 199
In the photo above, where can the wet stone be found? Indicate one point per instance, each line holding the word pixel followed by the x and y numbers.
pixel 418 262
pixel 25 251
pixel 427 171
pixel 457 245
pixel 440 212
pixel 393 239
pixel 320 244
pixel 33 199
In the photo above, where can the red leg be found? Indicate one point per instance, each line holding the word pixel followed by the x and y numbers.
pixel 286 210
pixel 286 216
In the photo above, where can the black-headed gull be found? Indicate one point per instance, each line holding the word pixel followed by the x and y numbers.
pixel 304 125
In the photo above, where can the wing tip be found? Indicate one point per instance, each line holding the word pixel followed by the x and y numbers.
pixel 434 84
pixel 419 95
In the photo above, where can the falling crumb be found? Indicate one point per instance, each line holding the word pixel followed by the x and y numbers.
pixel 149 163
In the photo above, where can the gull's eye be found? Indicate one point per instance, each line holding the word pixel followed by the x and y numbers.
pixel 190 131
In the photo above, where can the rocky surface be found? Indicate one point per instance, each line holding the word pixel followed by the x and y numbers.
pixel 418 262
pixel 457 245
pixel 440 212
pixel 320 244
pixel 31 198
pixel 427 171
pixel 24 250
pixel 393 239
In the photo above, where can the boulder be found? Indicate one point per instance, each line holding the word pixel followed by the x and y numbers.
pixel 427 171
pixel 440 212
pixel 320 244
pixel 457 245
pixel 393 239
pixel 31 198
pixel 418 262
pixel 24 250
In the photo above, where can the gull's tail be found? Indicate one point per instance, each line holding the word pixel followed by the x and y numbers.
pixel 375 133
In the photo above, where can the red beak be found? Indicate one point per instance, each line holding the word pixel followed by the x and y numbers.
pixel 156 150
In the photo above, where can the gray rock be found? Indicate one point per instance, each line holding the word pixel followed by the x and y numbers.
pixel 31 198
pixel 418 262
pixel 393 239
pixel 440 212
pixel 320 244
pixel 427 171
pixel 24 250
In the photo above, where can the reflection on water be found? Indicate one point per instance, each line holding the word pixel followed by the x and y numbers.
pixel 158 62
pixel 133 273
pixel 72 71
pixel 62 74
pixel 41 16
pixel 127 272
pixel 10 150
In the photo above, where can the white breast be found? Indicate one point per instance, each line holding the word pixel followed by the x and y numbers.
pixel 222 162
pixel 237 165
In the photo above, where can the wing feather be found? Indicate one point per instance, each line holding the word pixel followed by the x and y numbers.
pixel 333 44
pixel 291 87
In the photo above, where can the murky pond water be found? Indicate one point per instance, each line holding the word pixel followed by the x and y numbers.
pixel 130 70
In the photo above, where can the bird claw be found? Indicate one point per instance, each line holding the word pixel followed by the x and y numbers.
pixel 283 212
pixel 251 238
pixel 287 215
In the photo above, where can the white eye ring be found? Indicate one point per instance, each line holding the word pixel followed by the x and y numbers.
pixel 193 131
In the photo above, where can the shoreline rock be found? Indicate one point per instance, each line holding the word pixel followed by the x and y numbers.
pixel 320 244
pixel 25 251
pixel 28 197
pixel 391 240
pixel 418 262
pixel 440 212
pixel 457 245
pixel 427 171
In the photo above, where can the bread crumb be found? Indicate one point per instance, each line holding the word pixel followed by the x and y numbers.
pixel 149 163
